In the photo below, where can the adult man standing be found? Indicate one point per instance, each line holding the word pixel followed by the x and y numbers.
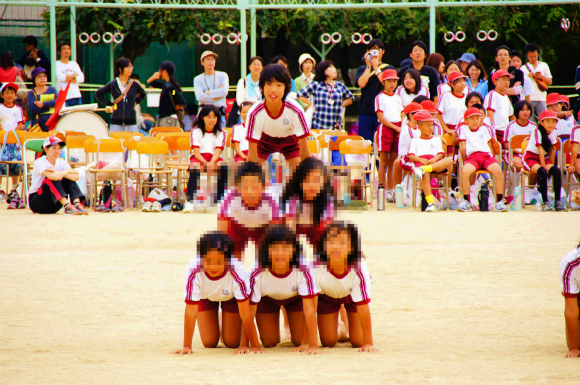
pixel 502 59
pixel 30 45
pixel 517 61
pixel 211 87
pixel 541 77
pixel 429 75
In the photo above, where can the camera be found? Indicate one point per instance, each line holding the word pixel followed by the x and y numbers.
pixel 374 53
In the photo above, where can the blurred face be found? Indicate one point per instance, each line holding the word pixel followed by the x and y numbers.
pixel 256 67
pixel 28 47
pixel 338 247
pixel 274 90
pixel 417 54
pixel 53 152
pixel 65 51
pixel 516 62
pixel 208 62
pixel 41 79
pixel 459 86
pixel 502 83
pixel 473 100
pixel 9 95
pixel 525 113
pixel 331 72
pixel 380 51
pixel 473 122
pixel 307 66
pixel 533 57
pixel 426 128
pixel 127 71
pixel 312 184
pixel 282 63
pixel 474 73
pixel 214 263
pixel 210 120
pixel 390 85
pixel 281 255
pixel 452 68
pixel 244 112
pixel 556 107
pixel 441 68
pixel 251 189
pixel 409 82
pixel 464 66
pixel 503 57
pixel 549 124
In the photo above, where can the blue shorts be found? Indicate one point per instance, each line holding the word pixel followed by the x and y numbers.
pixel 367 126
pixel 74 102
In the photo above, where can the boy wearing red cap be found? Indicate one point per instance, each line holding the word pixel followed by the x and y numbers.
pixel 389 109
pixel 427 153
pixel 564 126
pixel 475 146
pixel 497 104
pixel 408 131
pixel 431 108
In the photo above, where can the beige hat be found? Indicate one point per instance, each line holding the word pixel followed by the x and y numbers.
pixel 208 53
pixel 303 58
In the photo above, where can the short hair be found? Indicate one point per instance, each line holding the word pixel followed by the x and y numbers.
pixel 279 73
pixel 216 240
pixel 245 103
pixel 250 169
pixel 337 227
pixel 520 104
pixel 449 64
pixel 253 59
pixel 420 44
pixel 473 94
pixel 121 64
pixel 420 98
pixel 319 74
pixel 30 40
pixel 532 47
pixel 277 58
pixel 477 64
pixel 516 53
pixel 479 106
pixel 375 43
pixel 62 44
pixel 503 47
pixel 7 60
pixel 276 234
pixel 416 76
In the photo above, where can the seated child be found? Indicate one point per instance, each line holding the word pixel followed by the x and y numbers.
pixel 239 132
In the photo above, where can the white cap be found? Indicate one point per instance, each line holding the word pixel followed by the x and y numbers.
pixel 303 58
pixel 208 53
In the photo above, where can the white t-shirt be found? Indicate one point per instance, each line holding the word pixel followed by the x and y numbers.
pixel 536 140
pixel 575 135
pixel 208 142
pixel 421 146
pixel 564 126
pixel 356 283
pixel 199 285
pixel 290 121
pixel 486 122
pixel 62 70
pixel 10 117
pixel 407 133
pixel 527 88
pixel 514 128
pixel 233 209
pixel 570 274
pixel 41 165
pixel 390 105
pixel 408 98
pixel 239 133
pixel 445 87
pixel 452 107
pixel 536 95
pixel 298 281
pixel 502 109
pixel 476 141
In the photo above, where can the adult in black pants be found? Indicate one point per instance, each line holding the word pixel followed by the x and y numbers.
pixel 54 183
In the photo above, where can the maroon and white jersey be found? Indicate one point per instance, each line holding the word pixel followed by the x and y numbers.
pixel 239 134
pixel 476 141
pixel 199 285
pixel 390 105
pixel 575 135
pixel 514 129
pixel 502 109
pixel 451 107
pixel 298 281
pixel 356 282
pixel 289 122
pixel 233 209
pixel 407 133
pixel 426 146
pixel 208 142
pixel 535 141
pixel 565 125
pixel 570 274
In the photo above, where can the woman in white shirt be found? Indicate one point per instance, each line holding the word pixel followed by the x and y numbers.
pixel 248 89
pixel 67 70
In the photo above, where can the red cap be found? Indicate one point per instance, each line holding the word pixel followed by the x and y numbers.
pixel 471 111
pixel 389 74
pixel 553 98
pixel 548 115
pixel 52 140
pixel 412 107
pixel 423 116
pixel 453 76
pixel 564 99
pixel 500 73
pixel 429 106
pixel 6 85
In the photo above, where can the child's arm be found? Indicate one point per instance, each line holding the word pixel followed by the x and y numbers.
pixel 244 349
pixel 463 150
pixel 253 152
pixel 198 156
pixel 309 329
pixel 364 314
pixel 571 313
pixel 542 155
pixel 304 151
pixel 490 115
pixel 249 327
pixel 216 155
pixel 443 125
pixel 238 151
pixel 188 328
pixel 573 156
pixel 415 158
pixel 553 155
pixel 385 122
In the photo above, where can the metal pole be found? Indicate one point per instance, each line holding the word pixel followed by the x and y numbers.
pixel 253 30
pixel 112 60
pixel 432 26
pixel 243 37
pixel 73 34
pixel 52 8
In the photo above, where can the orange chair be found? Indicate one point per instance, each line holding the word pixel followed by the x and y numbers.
pixel 358 146
pixel 124 134
pixel 156 151
pixel 515 142
pixel 74 142
pixel 155 130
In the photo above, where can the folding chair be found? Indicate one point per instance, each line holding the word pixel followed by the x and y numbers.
pixel 124 135
pixel 155 173
pixel 496 152
pixel 314 148
pixel 515 142
pixel 11 137
pixel 525 173
pixel 155 130
pixel 34 145
pixel 358 147
pixel 445 176
pixel 181 165
pixel 76 142
pixel 572 181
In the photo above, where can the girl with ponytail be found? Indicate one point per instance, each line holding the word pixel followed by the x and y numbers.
pixel 171 102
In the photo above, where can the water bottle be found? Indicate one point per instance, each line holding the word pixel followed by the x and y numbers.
pixel 517 202
pixel 483 197
pixel 381 198
pixel 399 196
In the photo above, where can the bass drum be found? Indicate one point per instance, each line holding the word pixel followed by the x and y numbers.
pixel 83 121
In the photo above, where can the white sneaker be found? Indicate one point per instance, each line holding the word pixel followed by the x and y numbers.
pixel 198 205
pixel 419 172
pixel 431 208
pixel 147 207
pixel 156 208
pixel 188 208
pixel 465 206
pixel 500 206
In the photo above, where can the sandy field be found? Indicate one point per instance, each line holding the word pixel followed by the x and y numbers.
pixel 457 298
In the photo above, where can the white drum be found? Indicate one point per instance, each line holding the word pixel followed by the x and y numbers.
pixel 83 121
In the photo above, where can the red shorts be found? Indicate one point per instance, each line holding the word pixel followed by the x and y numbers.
pixel 240 235
pixel 288 146
pixel 499 136
pixel 481 160
pixel 329 305
pixel 531 159
pixel 388 138
pixel 230 306
pixel 269 305
pixel 419 164
pixel 406 164
pixel 238 158
pixel 313 234
pixel 206 155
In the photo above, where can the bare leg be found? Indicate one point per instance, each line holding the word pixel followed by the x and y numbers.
pixel 286 324
pixel 355 329
pixel 208 324
pixel 269 328
pixel 384 158
pixel 390 174
pixel 327 329
pixel 232 329
pixel 495 170
pixel 296 323
pixel 397 172
pixel 466 172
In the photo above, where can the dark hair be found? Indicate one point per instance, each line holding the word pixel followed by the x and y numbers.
pixel 319 74
pixel 520 104
pixel 416 76
pixel 170 68
pixel 250 169
pixel 473 94
pixel 191 109
pixel 121 64
pixel 276 234
pixel 253 59
pixel 293 188
pixel 31 62
pixel 449 63
pixel 30 40
pixel 532 47
pixel 419 99
pixel 546 142
pixel 216 240
pixel 205 110
pixel 135 76
pixel 420 44
pixel 503 47
pixel 277 58
pixel 375 43
pixel 516 53
pixel 480 107
pixel 337 227
pixel 60 45
pixel 9 88
pixel 434 60
pixel 245 103
pixel 7 60
pixel 477 64
pixel 278 73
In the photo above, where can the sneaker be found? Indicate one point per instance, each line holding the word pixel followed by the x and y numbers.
pixel 81 208
pixel 156 208
pixel 188 208
pixel 2 196
pixel 547 206
pixel 12 196
pixel 21 204
pixel 390 196
pixel 419 172
pixel 72 210
pixel 102 209
pixel 431 208
pixel 116 206
pixel 500 206
pixel 560 206
pixel 465 206
pixel 13 204
pixel 147 207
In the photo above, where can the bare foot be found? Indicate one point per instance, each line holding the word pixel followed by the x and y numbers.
pixel 342 332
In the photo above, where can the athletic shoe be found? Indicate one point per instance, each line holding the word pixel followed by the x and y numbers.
pixel 21 204
pixel 188 208
pixel 431 208
pixel 547 206
pixel 72 210
pixel 102 209
pixel 81 208
pixel 2 196
pixel 500 206
pixel 465 206
pixel 12 196
pixel 13 204
pixel 390 196
pixel 147 207
pixel 419 172
pixel 116 206
pixel 560 206
pixel 156 207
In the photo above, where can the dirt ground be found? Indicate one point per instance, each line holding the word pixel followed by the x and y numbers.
pixel 458 298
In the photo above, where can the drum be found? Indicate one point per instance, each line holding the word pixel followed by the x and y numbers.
pixel 84 121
